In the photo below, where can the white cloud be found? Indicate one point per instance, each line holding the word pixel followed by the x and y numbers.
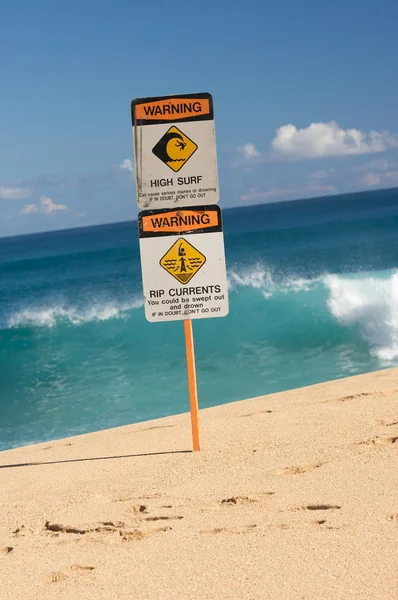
pixel 386 178
pixel 128 165
pixel 7 193
pixel 29 208
pixel 48 206
pixel 249 152
pixel 328 139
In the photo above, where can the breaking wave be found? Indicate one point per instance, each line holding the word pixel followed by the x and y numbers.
pixel 51 316
pixel 364 302
pixel 262 278
pixel 371 304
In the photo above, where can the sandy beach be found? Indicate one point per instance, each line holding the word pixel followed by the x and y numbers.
pixel 293 496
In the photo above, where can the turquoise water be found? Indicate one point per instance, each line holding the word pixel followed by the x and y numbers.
pixel 313 297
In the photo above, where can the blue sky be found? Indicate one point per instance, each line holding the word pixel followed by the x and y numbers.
pixel 305 97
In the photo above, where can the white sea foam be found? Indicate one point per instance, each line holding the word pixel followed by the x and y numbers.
pixel 370 303
pixel 260 277
pixel 257 277
pixel 50 316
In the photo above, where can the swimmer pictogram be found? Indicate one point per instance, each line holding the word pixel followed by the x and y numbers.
pixel 174 148
pixel 182 261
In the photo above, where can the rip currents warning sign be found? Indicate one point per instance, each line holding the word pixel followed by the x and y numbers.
pixel 183 263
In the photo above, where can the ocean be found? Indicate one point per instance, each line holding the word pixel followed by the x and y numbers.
pixel 313 297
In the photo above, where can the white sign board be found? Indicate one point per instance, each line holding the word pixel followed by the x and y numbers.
pixel 175 151
pixel 183 263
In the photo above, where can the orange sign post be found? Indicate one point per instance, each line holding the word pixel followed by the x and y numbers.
pixel 193 390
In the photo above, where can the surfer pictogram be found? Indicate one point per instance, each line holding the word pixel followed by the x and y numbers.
pixel 182 260
pixel 174 148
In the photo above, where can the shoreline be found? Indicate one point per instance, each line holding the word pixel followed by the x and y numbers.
pixel 202 411
pixel 293 495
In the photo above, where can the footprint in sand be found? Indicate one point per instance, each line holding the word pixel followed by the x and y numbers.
pixel 299 470
pixel 360 395
pixel 125 499
pixel 239 529
pixel 142 509
pixel 137 509
pixel 21 531
pixel 164 518
pixel 316 507
pixel 237 500
pixel 136 534
pixel 58 576
pixel 381 441
pixel 363 394
pixel 243 500
pixel 387 424
pixel 102 527
pixel 130 536
pixel 259 412
pixel 109 527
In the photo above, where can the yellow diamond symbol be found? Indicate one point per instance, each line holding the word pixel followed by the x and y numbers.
pixel 174 148
pixel 182 260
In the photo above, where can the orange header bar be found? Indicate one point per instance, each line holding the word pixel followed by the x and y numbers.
pixel 179 221
pixel 172 109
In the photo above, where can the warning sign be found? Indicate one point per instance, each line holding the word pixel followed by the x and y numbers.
pixel 175 151
pixel 183 263
pixel 174 148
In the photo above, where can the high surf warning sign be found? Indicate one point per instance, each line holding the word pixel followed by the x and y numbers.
pixel 175 151
pixel 183 263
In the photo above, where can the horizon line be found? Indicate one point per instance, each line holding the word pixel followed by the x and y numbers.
pixel 135 220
